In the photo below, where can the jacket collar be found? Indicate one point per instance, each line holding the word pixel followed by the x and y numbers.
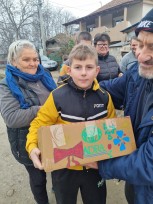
pixel 67 79
pixel 101 57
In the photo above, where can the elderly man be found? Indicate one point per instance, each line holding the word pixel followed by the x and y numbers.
pixel 134 91
pixel 129 59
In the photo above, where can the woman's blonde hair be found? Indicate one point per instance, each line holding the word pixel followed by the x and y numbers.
pixel 16 48
pixel 82 52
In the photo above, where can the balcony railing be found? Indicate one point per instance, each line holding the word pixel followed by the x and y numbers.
pixel 113 32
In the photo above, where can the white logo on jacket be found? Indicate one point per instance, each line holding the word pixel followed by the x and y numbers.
pixel 98 105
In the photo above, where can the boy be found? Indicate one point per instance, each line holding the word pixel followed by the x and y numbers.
pixel 74 102
pixel 83 37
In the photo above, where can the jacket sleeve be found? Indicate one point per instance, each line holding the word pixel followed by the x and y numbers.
pixel 63 69
pixel 117 65
pixel 136 168
pixel 119 69
pixel 13 115
pixel 47 115
pixel 117 88
pixel 123 64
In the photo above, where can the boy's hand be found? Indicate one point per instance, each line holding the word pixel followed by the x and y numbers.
pixel 92 165
pixel 34 155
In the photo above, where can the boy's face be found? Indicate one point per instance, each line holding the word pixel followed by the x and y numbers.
pixel 83 72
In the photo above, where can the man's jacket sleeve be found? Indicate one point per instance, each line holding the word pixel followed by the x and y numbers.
pixel 136 168
pixel 116 87
pixel 123 63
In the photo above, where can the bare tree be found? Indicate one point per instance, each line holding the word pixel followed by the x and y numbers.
pixel 19 19
pixel 16 18
pixel 54 17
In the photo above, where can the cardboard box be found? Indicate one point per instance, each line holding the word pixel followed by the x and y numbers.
pixel 63 145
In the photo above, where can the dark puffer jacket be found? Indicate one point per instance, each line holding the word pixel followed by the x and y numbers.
pixel 109 68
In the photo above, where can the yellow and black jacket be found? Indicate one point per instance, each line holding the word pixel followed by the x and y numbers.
pixel 68 104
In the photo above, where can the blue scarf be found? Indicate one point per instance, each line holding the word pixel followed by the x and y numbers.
pixel 41 75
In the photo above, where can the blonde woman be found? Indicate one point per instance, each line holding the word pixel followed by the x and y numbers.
pixel 24 89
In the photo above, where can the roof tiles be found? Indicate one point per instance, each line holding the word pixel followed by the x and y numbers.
pixel 113 4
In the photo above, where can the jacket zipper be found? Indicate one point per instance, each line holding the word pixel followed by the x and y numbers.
pixel 84 94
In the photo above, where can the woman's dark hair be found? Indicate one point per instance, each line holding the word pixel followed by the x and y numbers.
pixel 101 37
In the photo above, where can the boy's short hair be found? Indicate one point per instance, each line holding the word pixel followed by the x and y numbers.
pixel 84 35
pixel 101 37
pixel 82 52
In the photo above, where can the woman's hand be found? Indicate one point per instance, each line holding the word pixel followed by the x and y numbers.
pixel 35 157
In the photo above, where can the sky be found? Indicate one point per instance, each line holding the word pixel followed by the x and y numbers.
pixel 80 8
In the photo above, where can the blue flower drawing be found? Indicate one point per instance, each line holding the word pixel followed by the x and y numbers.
pixel 121 140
